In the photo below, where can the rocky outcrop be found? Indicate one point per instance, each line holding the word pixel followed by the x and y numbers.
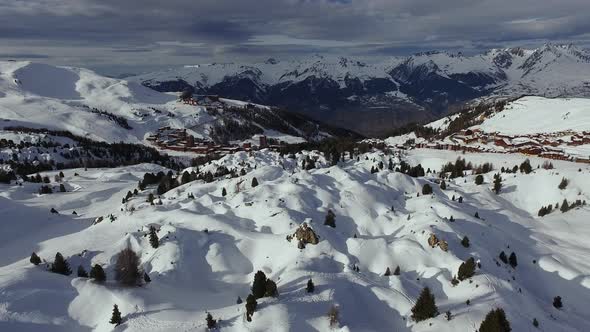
pixel 433 241
pixel 304 235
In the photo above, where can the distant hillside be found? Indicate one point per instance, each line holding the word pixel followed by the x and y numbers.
pixel 79 101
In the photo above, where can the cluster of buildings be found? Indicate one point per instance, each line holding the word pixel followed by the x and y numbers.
pixel 546 145
pixel 168 138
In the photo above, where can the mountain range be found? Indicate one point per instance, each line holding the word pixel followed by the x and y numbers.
pixel 389 92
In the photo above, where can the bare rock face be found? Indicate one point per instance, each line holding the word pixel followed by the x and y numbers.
pixel 305 235
pixel 433 240
pixel 443 245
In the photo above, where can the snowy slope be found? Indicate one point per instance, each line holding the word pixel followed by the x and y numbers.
pixel 36 95
pixel 530 115
pixel 194 271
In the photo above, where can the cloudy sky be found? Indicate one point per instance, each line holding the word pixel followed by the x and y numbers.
pixel 115 36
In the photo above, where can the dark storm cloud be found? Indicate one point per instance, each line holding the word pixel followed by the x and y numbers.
pixel 125 31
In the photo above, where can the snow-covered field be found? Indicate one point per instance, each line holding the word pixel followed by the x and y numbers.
pixel 36 95
pixel 531 115
pixel 211 247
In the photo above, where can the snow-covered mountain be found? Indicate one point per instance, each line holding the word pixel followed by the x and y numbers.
pixel 388 92
pixel 211 245
pixel 35 95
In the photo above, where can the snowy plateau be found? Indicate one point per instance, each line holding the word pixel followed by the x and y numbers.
pixel 341 220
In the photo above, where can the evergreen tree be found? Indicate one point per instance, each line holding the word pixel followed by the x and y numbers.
pixel 81 272
pixel 254 182
pixel 460 199
pixel 35 260
pixel 211 323
pixel 526 167
pixel 466 269
pixel 387 272
pixel 465 242
pixel 535 322
pixel 239 300
pixel 154 240
pixel 146 278
pixel 186 178
pixel 259 285
pixel 563 184
pixel 330 219
pixel 426 189
pixel 497 183
pixel 397 271
pixel 495 321
pixel 564 206
pixel 557 302
pixel 60 265
pixel 97 273
pixel 310 286
pixel 250 306
pixel 476 215
pixel 116 317
pixel 512 260
pixel 270 289
pixel 425 306
pixel 443 185
pixel 223 192
pixel 503 257
pixel 62 188
pixel 127 268
pixel 479 179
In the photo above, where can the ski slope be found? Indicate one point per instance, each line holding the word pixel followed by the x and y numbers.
pixel 211 247
pixel 532 115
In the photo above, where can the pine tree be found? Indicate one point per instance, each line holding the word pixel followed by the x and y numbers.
pixel 503 257
pixel 81 272
pixel 259 285
pixel 465 242
pixel 239 300
pixel 254 182
pixel 154 240
pixel 495 321
pixel 397 271
pixel 563 184
pixel 97 273
pixel 35 260
pixel 310 286
pixel 479 179
pixel 146 278
pixel 460 199
pixel 127 268
pixel 526 167
pixel 426 189
pixel 387 272
pixel 223 192
pixel 443 185
pixel 425 306
pixel 330 219
pixel 564 206
pixel 466 269
pixel 476 215
pixel 497 183
pixel 557 302
pixel 116 317
pixel 250 306
pixel 512 260
pixel 60 265
pixel 270 289
pixel 62 188
pixel 211 323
